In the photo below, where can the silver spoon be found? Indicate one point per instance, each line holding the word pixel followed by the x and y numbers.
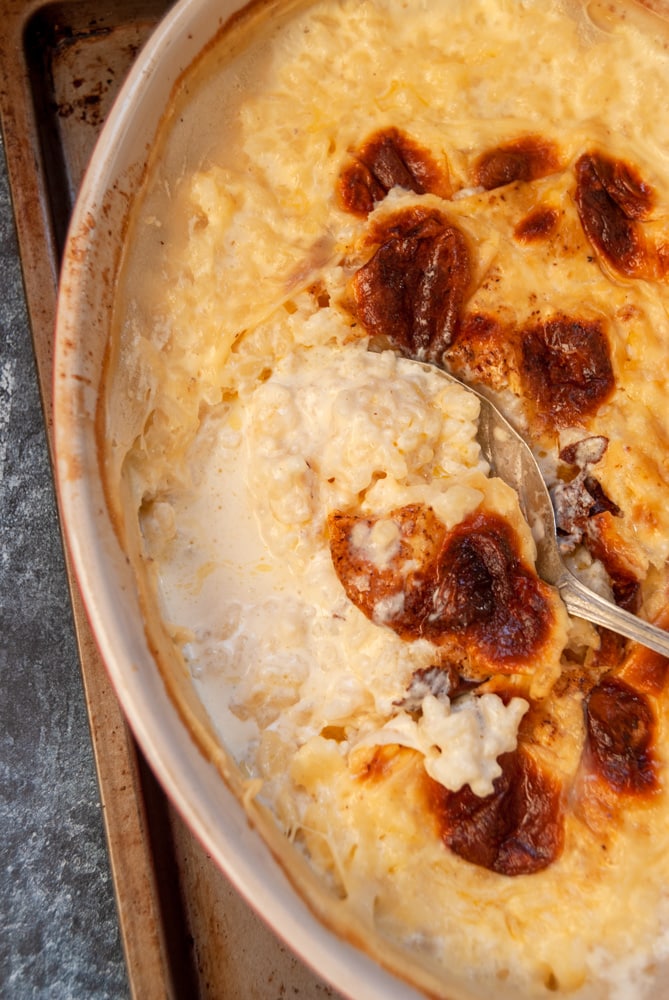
pixel 510 458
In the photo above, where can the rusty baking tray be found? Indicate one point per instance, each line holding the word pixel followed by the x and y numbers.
pixel 185 931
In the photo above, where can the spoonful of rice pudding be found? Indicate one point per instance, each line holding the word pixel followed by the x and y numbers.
pixel 511 458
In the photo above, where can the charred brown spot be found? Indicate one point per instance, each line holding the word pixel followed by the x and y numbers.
pixel 517 830
pixel 624 580
pixel 586 452
pixel 466 587
pixel 359 190
pixel 388 159
pixel 626 591
pixel 482 350
pixel 643 669
pixel 624 185
pixel 537 225
pixel 601 502
pixel 366 584
pixel 412 290
pixel 609 657
pixel 480 587
pixel 621 727
pixel 566 369
pixel 381 763
pixel 646 669
pixel 524 159
pixel 611 198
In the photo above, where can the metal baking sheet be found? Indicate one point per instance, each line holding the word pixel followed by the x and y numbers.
pixel 185 930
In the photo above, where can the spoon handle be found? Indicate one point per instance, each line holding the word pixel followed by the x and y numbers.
pixel 585 603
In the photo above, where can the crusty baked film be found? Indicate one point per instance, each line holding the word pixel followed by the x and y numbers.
pixel 513 150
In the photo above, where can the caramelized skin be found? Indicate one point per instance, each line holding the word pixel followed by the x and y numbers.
pixel 625 186
pixel 368 585
pixel 467 588
pixel 566 369
pixel 611 198
pixel 478 586
pixel 483 351
pixel 619 768
pixel 386 160
pixel 563 363
pixel 524 159
pixel 621 727
pixel 605 546
pixel 601 503
pixel 645 670
pixel 537 225
pixel 517 830
pixel 412 290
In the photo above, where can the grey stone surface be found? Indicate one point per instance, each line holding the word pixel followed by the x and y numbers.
pixel 58 925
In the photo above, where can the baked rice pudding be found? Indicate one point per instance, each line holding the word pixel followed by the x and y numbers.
pixel 343 187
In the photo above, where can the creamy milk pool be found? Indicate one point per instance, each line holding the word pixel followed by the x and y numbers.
pixel 290 651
